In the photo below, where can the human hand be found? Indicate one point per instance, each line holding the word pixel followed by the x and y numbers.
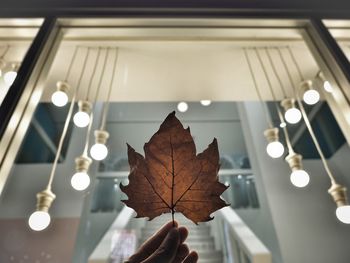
pixel 165 246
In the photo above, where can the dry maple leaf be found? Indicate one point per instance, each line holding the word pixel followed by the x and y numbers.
pixel 172 178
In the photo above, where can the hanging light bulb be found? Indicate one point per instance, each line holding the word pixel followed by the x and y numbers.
pixel 99 150
pixel 81 180
pixel 182 106
pixel 338 192
pixel 310 95
pixel 274 149
pixel 291 113
pixel 299 177
pixel 82 117
pixel 40 219
pixel 205 102
pixel 325 83
pixel 10 76
pixel 60 98
pixel 2 66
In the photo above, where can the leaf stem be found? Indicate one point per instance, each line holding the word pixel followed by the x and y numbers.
pixel 172 183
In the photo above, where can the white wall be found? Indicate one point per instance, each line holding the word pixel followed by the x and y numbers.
pixel 304 219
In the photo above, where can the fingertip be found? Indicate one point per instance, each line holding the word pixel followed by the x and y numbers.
pixel 192 257
pixel 183 233
pixel 170 224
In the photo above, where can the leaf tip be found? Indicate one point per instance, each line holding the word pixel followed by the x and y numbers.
pixel 128 146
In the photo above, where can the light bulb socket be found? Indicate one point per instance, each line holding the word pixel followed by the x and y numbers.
pixel 82 164
pixel 101 136
pixel 295 161
pixel 321 76
pixel 271 134
pixel 306 85
pixel 44 200
pixel 15 66
pixel 2 63
pixel 288 104
pixel 338 193
pixel 85 106
pixel 62 86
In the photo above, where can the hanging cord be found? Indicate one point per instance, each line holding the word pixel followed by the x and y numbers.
pixel 309 127
pixel 87 138
pixel 106 105
pixel 276 73
pixel 263 105
pixel 93 74
pixel 60 144
pixel 284 128
pixel 289 74
pixel 71 64
pixel 265 73
pixel 88 132
pixel 295 63
pixel 65 128
pixel 6 49
pixel 83 70
pixel 102 74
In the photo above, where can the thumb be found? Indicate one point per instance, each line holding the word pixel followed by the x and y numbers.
pixel 167 250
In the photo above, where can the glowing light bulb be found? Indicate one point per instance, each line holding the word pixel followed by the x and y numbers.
pixel 327 86
pixel 39 220
pixel 182 106
pixel 99 151
pixel 205 102
pixel 343 214
pixel 299 178
pixel 80 181
pixel 9 77
pixel 275 149
pixel 81 119
pixel 311 96
pixel 283 124
pixel 59 98
pixel 292 115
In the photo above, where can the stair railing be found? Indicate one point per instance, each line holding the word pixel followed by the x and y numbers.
pixel 237 241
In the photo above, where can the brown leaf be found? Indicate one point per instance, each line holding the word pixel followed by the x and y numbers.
pixel 172 177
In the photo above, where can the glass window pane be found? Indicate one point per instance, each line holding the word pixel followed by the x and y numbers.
pixel 205 71
pixel 16 35
pixel 340 30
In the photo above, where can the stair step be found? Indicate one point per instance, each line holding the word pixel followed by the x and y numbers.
pixel 189 226
pixel 219 260
pixel 210 254
pixel 203 232
pixel 199 238
pixel 189 241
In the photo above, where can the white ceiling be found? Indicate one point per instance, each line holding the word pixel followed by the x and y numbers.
pixel 180 70
pixel 172 64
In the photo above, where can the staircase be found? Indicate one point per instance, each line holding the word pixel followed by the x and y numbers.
pixel 199 238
